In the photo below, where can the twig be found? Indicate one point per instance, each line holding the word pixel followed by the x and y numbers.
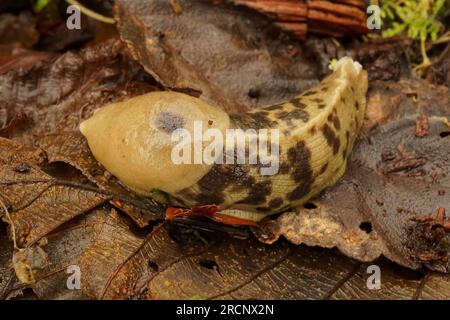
pixel 91 13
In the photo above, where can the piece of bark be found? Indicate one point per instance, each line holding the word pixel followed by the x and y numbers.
pixel 337 18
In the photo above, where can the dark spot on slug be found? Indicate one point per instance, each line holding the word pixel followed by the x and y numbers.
pixel 272 206
pixel 275 203
pixel 209 198
pixel 213 184
pixel 324 88
pixel 323 169
pixel 274 107
pixel 169 122
pixel 321 105
pixel 357 105
pixel 335 121
pixel 257 120
pixel 297 102
pixel 313 130
pixel 299 192
pixel 284 168
pixel 331 138
pixel 300 158
pixel 299 114
pixel 282 115
pixel 343 100
pixel 262 113
pixel 309 93
pixel 258 193
pixel 317 100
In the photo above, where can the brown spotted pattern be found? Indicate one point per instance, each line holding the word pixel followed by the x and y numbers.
pixel 317 131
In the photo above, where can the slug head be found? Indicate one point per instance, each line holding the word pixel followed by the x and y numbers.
pixel 134 140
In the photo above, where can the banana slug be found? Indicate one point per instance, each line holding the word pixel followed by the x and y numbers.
pixel 317 130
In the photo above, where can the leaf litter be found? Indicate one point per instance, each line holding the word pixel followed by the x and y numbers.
pixel 68 211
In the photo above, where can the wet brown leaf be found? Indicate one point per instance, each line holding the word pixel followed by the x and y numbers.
pixel 69 212
pixel 117 263
pixel 54 93
pixel 17 32
pixel 37 202
pixel 230 57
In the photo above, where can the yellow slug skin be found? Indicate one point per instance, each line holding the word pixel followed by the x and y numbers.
pixel 317 130
pixel 132 139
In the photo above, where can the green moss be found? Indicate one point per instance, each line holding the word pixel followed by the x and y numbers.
pixel 39 5
pixel 418 19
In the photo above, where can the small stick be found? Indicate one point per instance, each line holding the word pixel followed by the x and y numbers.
pixel 91 13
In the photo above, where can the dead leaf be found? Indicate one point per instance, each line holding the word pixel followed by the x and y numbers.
pixel 68 210
pixel 55 95
pixel 230 57
pixel 17 32
pixel 39 203
pixel 115 263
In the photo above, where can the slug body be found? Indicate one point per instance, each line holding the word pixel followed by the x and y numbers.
pixel 316 133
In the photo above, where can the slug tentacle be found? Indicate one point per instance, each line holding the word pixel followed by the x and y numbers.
pixel 315 133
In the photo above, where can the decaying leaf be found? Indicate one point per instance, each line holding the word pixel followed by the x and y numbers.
pixel 17 32
pixel 72 219
pixel 39 203
pixel 54 93
pixel 116 263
